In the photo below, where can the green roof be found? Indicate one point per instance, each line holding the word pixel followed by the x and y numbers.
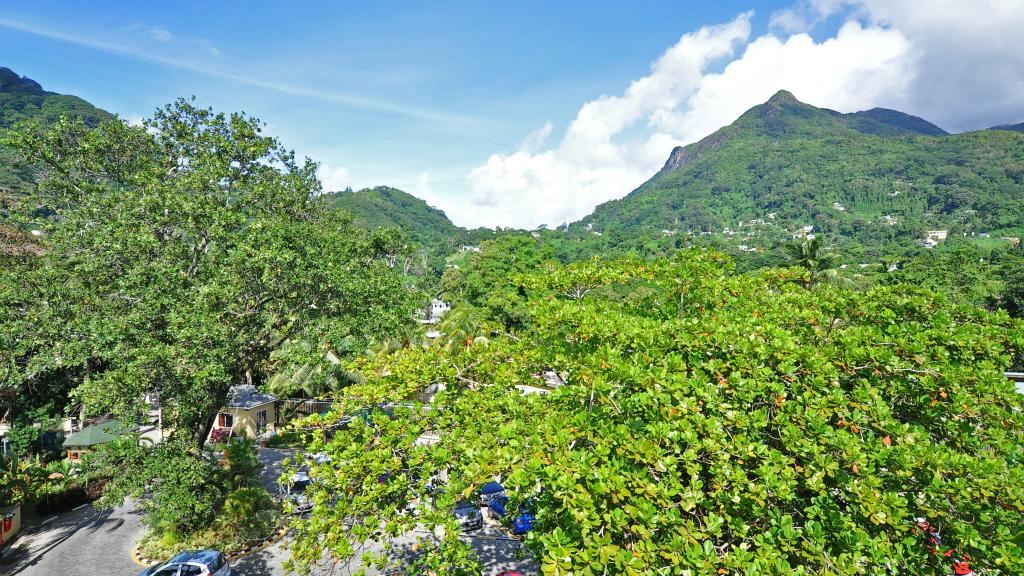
pixel 96 434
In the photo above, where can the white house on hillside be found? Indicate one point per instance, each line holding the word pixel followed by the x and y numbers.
pixel 438 308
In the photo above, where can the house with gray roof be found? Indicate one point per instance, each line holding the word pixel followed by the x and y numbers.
pixel 248 413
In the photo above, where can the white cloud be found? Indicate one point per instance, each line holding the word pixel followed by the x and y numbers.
pixel 156 33
pixel 160 34
pixel 529 187
pixel 953 62
pixel 968 58
pixel 423 189
pixel 334 178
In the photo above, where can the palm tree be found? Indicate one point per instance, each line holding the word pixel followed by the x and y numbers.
pixel 820 266
pixel 462 327
pixel 310 379
pixel 407 336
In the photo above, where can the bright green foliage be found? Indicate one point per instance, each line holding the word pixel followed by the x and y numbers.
pixel 22 98
pixel 384 207
pixel 177 258
pixel 819 264
pixel 300 375
pixel 184 491
pixel 20 478
pixel 711 423
pixel 486 280
pixel 191 500
pixel 433 236
pixel 461 328
pixel 242 464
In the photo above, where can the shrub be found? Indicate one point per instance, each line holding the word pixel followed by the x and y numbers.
pixel 249 514
pixel 242 463
pixel 288 438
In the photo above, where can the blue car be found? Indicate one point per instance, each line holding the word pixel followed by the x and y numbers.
pixel 521 522
pixel 490 492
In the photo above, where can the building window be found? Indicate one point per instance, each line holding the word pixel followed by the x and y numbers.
pixel 225 420
pixel 261 421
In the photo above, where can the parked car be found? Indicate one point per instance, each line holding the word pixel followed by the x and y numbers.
pixel 192 563
pixel 319 458
pixel 521 522
pixel 490 492
pixel 294 491
pixel 468 515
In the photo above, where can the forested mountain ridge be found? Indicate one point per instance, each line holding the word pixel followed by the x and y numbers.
pixel 873 176
pixel 22 98
pixel 1011 127
pixel 384 206
pixel 436 242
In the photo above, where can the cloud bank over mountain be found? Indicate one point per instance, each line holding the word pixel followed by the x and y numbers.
pixel 940 62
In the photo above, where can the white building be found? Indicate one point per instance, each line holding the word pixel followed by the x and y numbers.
pixel 438 308
pixel 804 232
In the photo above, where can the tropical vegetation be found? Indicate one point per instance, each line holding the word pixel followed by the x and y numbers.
pixel 712 422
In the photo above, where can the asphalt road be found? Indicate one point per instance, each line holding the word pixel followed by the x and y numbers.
pixel 87 542
pixel 83 542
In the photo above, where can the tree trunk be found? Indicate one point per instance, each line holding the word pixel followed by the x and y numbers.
pixel 205 424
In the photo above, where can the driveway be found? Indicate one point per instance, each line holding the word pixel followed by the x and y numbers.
pixel 83 542
pixel 271 459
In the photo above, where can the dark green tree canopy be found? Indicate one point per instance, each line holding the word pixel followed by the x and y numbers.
pixel 178 255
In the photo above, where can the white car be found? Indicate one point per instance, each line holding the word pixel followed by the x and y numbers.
pixel 192 563
pixel 295 492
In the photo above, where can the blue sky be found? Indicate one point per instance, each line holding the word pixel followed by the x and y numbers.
pixel 441 99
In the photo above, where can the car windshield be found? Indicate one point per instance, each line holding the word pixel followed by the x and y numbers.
pixel 299 486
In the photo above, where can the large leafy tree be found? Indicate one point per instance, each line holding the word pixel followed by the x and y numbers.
pixel 711 423
pixel 485 280
pixel 177 255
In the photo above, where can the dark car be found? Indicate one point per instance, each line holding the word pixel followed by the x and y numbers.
pixel 490 492
pixel 192 563
pixel 468 515
pixel 521 522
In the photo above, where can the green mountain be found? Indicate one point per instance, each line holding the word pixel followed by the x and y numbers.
pixel 872 177
pixel 1010 127
pixel 388 207
pixel 21 99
